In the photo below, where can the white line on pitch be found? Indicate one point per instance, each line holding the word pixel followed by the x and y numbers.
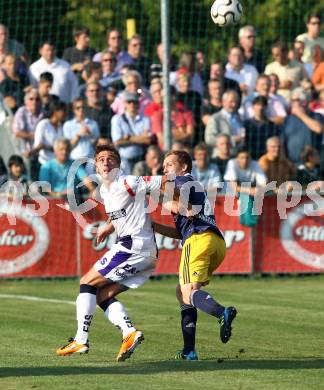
pixel 37 299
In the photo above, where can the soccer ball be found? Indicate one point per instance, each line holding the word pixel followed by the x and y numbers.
pixel 226 12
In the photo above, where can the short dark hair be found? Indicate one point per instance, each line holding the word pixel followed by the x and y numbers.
pixel 183 158
pixel 242 149
pixel 307 153
pixel 107 148
pixel 46 42
pixel 16 160
pixel 79 30
pixel 55 105
pixel 201 146
pixel 260 100
pixel 46 76
pixel 92 66
pixel 281 46
pixel 314 15
pixel 111 29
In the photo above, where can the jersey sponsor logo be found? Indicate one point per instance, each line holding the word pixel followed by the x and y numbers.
pixel 125 271
pixel 302 236
pixel 28 238
pixel 113 215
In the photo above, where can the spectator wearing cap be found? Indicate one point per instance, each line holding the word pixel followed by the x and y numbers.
pixel 97 109
pixel 156 104
pixel 258 129
pixel 223 153
pixel 24 125
pixel 213 103
pixel 80 54
pixel 110 76
pixel 217 72
pixel 12 84
pixel 276 110
pixel 252 56
pixel 275 165
pixel 312 36
pixel 203 170
pixel 82 132
pixel 47 131
pixel 226 121
pixel 17 174
pixel 236 69
pixel 290 74
pixel 302 127
pixel 133 84
pixel 152 165
pixel 131 133
pixel 65 83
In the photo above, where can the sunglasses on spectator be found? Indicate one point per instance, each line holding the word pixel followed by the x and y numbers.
pixel 78 107
pixel 132 102
pixel 108 60
pixel 34 98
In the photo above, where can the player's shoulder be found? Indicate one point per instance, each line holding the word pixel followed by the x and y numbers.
pixel 179 180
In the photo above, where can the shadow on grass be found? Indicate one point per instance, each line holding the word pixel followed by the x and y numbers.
pixel 148 368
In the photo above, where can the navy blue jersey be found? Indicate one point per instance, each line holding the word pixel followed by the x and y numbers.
pixel 205 219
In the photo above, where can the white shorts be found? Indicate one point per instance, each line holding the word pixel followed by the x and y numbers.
pixel 125 267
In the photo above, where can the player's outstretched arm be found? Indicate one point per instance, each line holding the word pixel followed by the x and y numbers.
pixel 165 230
pixel 104 231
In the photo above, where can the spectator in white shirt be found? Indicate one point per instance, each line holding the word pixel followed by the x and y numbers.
pixel 245 74
pixel 47 132
pixel 81 131
pixel 65 84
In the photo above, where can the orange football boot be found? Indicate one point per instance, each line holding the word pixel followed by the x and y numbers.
pixel 129 344
pixel 72 347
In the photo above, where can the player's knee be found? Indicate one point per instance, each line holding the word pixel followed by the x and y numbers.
pixel 186 293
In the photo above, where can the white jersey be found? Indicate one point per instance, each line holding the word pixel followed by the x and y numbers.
pixel 125 203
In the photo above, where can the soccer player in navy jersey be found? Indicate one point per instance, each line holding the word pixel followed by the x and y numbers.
pixel 203 251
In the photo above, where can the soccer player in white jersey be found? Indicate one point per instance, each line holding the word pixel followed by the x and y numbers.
pixel 129 262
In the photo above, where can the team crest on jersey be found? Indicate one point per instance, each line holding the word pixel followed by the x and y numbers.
pixel 113 215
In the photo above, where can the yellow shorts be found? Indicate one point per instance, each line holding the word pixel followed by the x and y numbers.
pixel 201 254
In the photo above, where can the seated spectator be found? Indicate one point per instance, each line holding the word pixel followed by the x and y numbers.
pixel 47 132
pixel 97 110
pixel 110 76
pixel 130 133
pixel 290 74
pixel 56 172
pixel 252 56
pixel 317 58
pixel 213 103
pixel 273 163
pixel 110 95
pixel 258 129
pixel 227 121
pixel 44 87
pixel 318 105
pixel 17 173
pixel 309 172
pixel 296 53
pixel 92 73
pixel 312 36
pixel 24 125
pixel 245 74
pixel 80 54
pixel 133 84
pixel 242 169
pixel 217 72
pixel 13 47
pixel 276 110
pixel 203 170
pixel 65 83
pixel 152 165
pixel 181 147
pixel 156 104
pixel 301 128
pixel 318 74
pixel 223 153
pixel 274 86
pixel 12 84
pixel 81 131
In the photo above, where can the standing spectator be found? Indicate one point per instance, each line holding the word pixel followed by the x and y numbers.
pixel 156 104
pixel 81 131
pixel 10 46
pixel 290 74
pixel 273 163
pixel 217 72
pixel 131 132
pixel 65 83
pixel 276 110
pixel 213 103
pixel 97 110
pixel 47 132
pixel 44 87
pixel 223 153
pixel 252 56
pixel 152 165
pixel 80 54
pixel 12 84
pixel 312 36
pixel 309 172
pixel 24 125
pixel 203 170
pixel 114 45
pixel 226 121
pixel 110 76
pixel 245 74
pixel 56 172
pixel 258 129
pixel 133 84
pixel 301 128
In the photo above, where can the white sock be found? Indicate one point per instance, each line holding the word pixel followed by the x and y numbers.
pixel 85 308
pixel 117 315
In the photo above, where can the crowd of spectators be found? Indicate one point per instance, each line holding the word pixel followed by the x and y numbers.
pixel 255 116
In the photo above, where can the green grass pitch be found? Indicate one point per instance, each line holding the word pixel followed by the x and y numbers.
pixel 277 343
